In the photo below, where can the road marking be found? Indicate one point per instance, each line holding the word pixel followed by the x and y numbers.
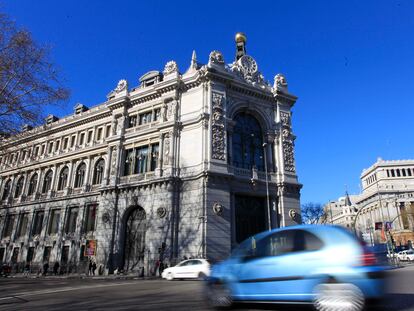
pixel 65 289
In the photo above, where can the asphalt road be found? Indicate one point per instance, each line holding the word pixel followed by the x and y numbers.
pixel 111 294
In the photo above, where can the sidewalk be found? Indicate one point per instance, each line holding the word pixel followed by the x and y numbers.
pixel 84 276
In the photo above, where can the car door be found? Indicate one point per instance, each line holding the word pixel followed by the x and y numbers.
pixel 194 269
pixel 181 270
pixel 279 267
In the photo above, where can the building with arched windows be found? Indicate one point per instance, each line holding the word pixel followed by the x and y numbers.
pixel 184 164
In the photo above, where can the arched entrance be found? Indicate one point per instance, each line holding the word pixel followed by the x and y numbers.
pixel 135 225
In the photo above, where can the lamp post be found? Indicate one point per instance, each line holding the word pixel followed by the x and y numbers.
pixel 267 187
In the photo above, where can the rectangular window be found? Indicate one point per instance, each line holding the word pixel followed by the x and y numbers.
pixel 65 143
pixel 8 226
pixel 129 162
pixel 403 172
pixel 82 139
pixel 43 150
pixel 409 172
pixel 54 222
pixel 82 256
pixel 145 118
pixel 99 134
pixel 46 253
pixel 154 156
pixel 71 220
pixel 38 223
pixel 157 114
pixel 2 251
pixel 142 159
pixel 15 255
pixel 90 217
pixel 24 219
pixel 72 141
pixel 57 145
pixel 30 254
pixel 108 131
pixel 132 121
pixel 50 147
pixel 64 258
pixel 89 136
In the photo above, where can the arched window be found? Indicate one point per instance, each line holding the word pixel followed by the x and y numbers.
pixel 47 182
pixel 63 178
pixel 19 187
pixel 80 175
pixel 247 146
pixel 98 172
pixel 6 190
pixel 32 184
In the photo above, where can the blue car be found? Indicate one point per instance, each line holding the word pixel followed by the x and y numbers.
pixel 326 266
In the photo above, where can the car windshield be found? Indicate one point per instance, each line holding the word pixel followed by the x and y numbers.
pixel 410 252
pixel 244 248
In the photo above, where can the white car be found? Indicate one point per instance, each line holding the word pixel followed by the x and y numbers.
pixel 406 255
pixel 188 269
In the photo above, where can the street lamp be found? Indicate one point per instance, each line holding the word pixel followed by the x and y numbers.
pixel 267 187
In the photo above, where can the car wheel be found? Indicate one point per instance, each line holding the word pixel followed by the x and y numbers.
pixel 219 296
pixel 336 296
pixel 169 276
pixel 201 276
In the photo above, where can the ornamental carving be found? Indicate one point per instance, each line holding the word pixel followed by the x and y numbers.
pixel 288 154
pixel 216 58
pixel 122 85
pixel 166 158
pixel 161 212
pixel 113 165
pixel 170 67
pixel 218 209
pixel 280 82
pixel 285 118
pixel 217 127
pixel 247 69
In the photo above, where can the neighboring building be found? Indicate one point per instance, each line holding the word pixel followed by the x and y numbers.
pixel 341 212
pixel 173 167
pixel 387 199
pixel 387 196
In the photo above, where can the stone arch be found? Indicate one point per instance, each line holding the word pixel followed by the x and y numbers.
pixel 266 122
pixel 132 238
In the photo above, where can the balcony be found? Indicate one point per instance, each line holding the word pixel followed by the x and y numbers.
pixel 137 177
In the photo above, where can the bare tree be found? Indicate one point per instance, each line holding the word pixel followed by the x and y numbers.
pixel 28 80
pixel 312 213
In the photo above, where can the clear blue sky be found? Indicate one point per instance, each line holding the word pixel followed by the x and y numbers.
pixel 350 63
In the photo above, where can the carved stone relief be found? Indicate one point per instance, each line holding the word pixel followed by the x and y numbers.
pixel 280 83
pixel 113 165
pixel 217 127
pixel 287 143
pixel 170 67
pixel 166 158
pixel 216 57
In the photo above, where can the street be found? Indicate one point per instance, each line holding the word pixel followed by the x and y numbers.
pixel 117 294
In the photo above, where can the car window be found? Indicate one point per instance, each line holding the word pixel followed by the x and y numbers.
pixel 184 263
pixel 196 262
pixel 312 242
pixel 276 244
pixel 410 252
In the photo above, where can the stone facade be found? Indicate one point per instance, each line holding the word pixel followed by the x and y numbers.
pixel 152 166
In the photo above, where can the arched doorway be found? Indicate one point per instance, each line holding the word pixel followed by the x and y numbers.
pixel 135 225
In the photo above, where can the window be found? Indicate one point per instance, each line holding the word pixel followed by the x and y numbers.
pixel 71 220
pixel 54 222
pixel 99 134
pixel 8 226
pixel 36 151
pixel 403 172
pixel 65 143
pixel 72 141
pixel 154 156
pixel 398 172
pixel 82 139
pixel 247 143
pixel 43 150
pixel 30 254
pixel 63 178
pixel 388 173
pixel 47 183
pixel 32 184
pixel 141 161
pixel 50 147
pixel 2 251
pixel 132 121
pixel 6 190
pixel 46 253
pixel 145 118
pixel 22 229
pixel 38 223
pixel 90 136
pixel 108 131
pixel 409 172
pixel 19 187
pixel 157 114
pixel 98 172
pixel 57 145
pixel 392 173
pixel 90 217
pixel 129 162
pixel 80 175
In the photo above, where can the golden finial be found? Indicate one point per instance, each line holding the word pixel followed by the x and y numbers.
pixel 240 37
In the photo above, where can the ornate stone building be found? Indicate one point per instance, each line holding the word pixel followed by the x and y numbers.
pixel 179 165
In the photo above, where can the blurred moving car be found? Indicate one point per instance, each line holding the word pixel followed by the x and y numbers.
pixel 406 255
pixel 323 265
pixel 188 269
